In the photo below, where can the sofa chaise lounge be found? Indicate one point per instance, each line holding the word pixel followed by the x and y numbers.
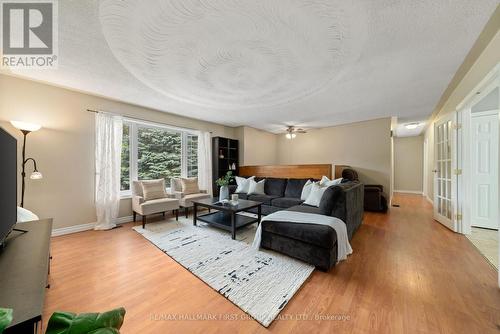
pixel 314 244
pixel 317 244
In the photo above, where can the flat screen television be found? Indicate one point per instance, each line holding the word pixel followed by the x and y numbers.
pixel 8 183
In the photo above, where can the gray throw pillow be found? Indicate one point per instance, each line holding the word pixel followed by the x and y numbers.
pixel 328 201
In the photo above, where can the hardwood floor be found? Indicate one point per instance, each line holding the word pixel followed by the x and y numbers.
pixel 408 274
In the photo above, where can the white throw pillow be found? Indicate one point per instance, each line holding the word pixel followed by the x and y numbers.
pixel 306 190
pixel 190 186
pixel 243 184
pixel 326 182
pixel 314 197
pixel 256 188
pixel 24 215
pixel 153 189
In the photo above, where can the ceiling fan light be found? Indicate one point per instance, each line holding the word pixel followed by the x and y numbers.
pixel 289 136
pixel 293 135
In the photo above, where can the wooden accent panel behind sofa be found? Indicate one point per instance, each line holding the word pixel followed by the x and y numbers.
pixel 288 171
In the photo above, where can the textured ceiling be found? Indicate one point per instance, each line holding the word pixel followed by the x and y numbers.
pixel 234 54
pixel 266 64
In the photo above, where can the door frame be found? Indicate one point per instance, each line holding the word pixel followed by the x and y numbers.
pixel 463 109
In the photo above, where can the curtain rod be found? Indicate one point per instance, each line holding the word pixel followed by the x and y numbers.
pixel 142 120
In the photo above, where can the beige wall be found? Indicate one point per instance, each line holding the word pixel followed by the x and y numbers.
pixel 483 64
pixel 365 146
pixel 408 163
pixel 64 147
pixel 257 147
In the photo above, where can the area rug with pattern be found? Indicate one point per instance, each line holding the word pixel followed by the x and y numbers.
pixel 259 282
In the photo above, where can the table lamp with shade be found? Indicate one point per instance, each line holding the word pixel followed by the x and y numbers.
pixel 26 128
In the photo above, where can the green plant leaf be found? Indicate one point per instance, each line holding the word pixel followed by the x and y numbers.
pixel 96 323
pixel 5 318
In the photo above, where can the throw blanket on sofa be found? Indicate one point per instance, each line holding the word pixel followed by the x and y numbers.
pixel 343 245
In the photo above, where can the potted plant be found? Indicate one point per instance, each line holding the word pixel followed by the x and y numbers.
pixel 223 183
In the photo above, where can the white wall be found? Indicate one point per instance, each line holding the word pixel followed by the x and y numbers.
pixel 487 103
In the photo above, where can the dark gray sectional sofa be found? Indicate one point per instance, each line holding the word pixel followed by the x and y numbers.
pixel 280 194
pixel 315 244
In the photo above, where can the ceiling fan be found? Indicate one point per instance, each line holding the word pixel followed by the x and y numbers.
pixel 291 132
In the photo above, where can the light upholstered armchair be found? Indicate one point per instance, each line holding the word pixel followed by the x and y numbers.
pixel 159 202
pixel 186 190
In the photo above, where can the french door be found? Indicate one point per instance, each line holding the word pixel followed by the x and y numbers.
pixel 444 172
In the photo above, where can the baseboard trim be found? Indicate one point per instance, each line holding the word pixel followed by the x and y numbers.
pixel 429 199
pixel 72 229
pixel 123 220
pixel 409 192
pixel 86 227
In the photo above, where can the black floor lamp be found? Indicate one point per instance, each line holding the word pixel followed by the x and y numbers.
pixel 26 128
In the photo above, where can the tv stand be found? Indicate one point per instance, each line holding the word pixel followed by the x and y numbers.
pixel 24 267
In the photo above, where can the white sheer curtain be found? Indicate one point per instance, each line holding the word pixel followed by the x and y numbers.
pixel 108 148
pixel 205 161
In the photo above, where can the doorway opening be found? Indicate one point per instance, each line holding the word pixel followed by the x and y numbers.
pixel 479 147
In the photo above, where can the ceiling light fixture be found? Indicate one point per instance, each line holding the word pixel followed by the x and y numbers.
pixel 412 126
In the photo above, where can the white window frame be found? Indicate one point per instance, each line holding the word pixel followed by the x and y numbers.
pixel 134 126
pixel 186 148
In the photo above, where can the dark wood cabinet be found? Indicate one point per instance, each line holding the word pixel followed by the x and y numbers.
pixel 225 157
pixel 24 268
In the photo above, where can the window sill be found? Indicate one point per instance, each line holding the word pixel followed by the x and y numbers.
pixel 125 194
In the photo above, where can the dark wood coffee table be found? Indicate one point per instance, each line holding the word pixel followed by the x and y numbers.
pixel 227 216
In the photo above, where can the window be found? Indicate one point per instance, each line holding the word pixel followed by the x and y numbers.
pixel 154 151
pixel 159 154
pixel 192 156
pixel 125 167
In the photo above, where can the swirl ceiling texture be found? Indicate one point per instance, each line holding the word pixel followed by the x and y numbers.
pixel 232 54
pixel 266 63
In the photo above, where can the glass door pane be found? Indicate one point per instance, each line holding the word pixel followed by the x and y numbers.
pixel 444 173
